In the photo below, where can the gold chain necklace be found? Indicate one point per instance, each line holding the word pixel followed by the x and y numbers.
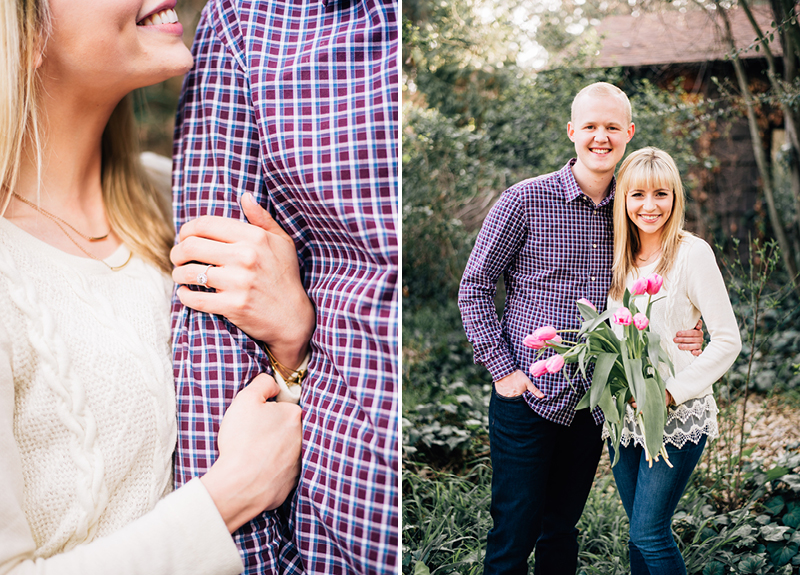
pixel 648 258
pixel 58 221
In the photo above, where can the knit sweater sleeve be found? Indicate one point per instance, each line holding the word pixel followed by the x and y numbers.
pixel 707 292
pixel 184 534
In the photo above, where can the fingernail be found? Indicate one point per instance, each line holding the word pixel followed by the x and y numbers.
pixel 251 198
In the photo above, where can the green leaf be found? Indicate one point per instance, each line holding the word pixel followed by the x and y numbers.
pixel 775 504
pixel 626 299
pixel 584 402
pixel 616 437
pixel 609 407
pixel 792 518
pixel 637 382
pixel 781 553
pixel 602 368
pixel 775 473
pixel 591 324
pixel 587 313
pixel 622 402
pixel 421 569
pixel 582 360
pixel 714 568
pixel 654 415
pixel 751 565
pixel 653 348
pixel 772 532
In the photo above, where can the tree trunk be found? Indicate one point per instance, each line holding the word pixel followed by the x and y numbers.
pixel 758 150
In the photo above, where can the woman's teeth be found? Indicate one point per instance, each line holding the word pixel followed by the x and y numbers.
pixel 648 219
pixel 167 16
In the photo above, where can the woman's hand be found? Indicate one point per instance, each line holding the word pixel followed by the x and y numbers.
pixel 256 275
pixel 259 454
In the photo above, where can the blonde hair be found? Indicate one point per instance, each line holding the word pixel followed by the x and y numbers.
pixel 603 89
pixel 646 168
pixel 137 212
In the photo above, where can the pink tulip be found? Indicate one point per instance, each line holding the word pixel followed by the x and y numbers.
pixel 585 301
pixel 639 286
pixel 545 333
pixel 556 339
pixel 654 282
pixel 538 368
pixel 622 316
pixel 640 321
pixel 555 363
pixel 533 342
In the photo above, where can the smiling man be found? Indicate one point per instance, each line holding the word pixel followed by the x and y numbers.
pixel 551 239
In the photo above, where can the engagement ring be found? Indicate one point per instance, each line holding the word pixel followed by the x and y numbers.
pixel 202 278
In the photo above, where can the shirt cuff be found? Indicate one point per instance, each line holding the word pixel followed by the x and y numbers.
pixel 500 365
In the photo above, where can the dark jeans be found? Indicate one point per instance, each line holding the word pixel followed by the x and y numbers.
pixel 650 496
pixel 542 475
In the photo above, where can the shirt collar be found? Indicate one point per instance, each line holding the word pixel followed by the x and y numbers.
pixel 572 190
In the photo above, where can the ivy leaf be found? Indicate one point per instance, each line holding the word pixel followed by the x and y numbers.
pixel 775 505
pixel 714 568
pixel 773 532
pixel 751 564
pixel 782 553
pixel 792 518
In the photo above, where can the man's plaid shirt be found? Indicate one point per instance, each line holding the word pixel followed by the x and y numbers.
pixel 297 103
pixel 553 246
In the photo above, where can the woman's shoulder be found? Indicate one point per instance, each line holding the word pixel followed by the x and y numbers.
pixel 693 246
pixel 695 257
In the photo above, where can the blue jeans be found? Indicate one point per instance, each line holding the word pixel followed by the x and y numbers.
pixel 542 475
pixel 650 496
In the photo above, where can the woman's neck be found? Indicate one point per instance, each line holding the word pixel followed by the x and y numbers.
pixel 66 183
pixel 649 249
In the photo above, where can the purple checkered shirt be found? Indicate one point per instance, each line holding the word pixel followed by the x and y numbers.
pixel 553 246
pixel 297 103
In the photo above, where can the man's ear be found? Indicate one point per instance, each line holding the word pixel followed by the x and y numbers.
pixel 571 131
pixel 631 131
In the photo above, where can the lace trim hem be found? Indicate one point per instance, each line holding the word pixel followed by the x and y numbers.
pixel 689 421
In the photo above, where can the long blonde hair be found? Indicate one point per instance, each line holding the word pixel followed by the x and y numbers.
pixel 645 168
pixel 137 212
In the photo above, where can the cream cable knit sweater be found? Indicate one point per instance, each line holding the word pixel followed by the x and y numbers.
pixel 87 422
pixel 694 287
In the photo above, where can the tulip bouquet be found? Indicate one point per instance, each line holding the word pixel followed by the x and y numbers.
pixel 624 368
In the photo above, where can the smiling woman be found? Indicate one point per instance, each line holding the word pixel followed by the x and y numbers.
pixel 87 403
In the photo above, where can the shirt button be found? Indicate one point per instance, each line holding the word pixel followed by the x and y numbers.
pixel 594 245
pixel 592 278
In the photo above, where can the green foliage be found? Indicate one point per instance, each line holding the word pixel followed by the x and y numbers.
pixel 445 396
pixel 445 520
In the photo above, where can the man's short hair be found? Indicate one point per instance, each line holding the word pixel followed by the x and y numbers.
pixel 603 89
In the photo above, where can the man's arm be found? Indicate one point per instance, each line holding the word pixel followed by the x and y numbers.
pixel 216 159
pixel 501 237
pixel 691 339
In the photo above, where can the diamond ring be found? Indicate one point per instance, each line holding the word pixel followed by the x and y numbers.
pixel 202 278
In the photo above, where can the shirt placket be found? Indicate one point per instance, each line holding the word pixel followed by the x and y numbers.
pixel 596 230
